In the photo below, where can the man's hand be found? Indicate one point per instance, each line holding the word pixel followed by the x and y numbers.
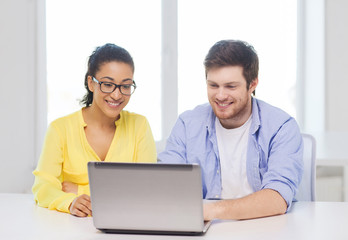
pixel 263 203
pixel 208 211
pixel 81 206
pixel 69 187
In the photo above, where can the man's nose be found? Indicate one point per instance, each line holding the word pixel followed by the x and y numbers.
pixel 221 93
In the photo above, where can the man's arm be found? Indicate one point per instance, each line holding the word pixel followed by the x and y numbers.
pixel 175 151
pixel 263 203
pixel 279 184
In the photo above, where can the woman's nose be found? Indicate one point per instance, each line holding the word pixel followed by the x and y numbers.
pixel 116 94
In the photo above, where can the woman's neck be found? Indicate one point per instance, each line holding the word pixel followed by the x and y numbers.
pixel 94 116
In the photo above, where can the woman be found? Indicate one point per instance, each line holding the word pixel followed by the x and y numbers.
pixel 100 131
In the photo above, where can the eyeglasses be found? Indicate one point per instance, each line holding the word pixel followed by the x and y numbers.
pixel 108 87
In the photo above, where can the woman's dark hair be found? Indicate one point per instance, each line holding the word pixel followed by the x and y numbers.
pixel 104 54
pixel 234 53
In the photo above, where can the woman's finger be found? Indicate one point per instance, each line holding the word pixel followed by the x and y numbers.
pixel 78 213
pixel 81 204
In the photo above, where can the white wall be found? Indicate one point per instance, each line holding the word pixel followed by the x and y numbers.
pixel 23 93
pixel 19 94
pixel 336 65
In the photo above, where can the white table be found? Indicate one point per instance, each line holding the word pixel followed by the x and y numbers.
pixel 332 150
pixel 22 219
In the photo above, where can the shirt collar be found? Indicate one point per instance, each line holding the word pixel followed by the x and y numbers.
pixel 210 123
pixel 255 116
pixel 120 120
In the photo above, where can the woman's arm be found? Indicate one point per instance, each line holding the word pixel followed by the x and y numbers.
pixel 146 147
pixel 47 188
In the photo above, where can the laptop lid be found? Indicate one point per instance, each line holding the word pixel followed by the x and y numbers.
pixel 146 197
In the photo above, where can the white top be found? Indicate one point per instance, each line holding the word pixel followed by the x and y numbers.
pixel 21 218
pixel 232 144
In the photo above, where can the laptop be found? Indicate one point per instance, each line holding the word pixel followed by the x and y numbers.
pixel 147 198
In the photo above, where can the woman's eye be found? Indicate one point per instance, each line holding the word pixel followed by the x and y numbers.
pixel 108 85
pixel 126 86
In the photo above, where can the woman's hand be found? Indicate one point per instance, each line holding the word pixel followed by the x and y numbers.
pixel 69 187
pixel 81 206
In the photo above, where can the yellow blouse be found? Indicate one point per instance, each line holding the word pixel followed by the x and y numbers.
pixel 66 152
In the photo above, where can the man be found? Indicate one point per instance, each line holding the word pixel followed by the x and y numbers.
pixel 250 152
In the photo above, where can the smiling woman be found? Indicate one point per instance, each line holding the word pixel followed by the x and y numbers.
pixel 79 32
pixel 100 131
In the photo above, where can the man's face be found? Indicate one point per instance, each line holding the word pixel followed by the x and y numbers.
pixel 228 95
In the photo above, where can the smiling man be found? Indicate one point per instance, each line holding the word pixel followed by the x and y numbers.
pixel 250 152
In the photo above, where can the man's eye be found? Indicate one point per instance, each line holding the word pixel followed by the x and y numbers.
pixel 213 86
pixel 231 87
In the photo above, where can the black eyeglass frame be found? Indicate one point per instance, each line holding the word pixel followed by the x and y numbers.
pixel 116 86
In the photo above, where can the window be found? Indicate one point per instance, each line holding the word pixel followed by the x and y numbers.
pixel 75 28
pixel 269 25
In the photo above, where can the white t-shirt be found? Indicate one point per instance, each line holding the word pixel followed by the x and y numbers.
pixel 232 144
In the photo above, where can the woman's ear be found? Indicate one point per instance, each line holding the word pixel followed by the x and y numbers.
pixel 90 83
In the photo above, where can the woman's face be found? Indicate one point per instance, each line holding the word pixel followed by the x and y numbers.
pixel 111 104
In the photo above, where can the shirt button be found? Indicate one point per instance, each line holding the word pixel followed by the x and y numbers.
pixel 217 171
pixel 216 196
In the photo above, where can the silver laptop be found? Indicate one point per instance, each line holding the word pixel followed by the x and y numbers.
pixel 147 198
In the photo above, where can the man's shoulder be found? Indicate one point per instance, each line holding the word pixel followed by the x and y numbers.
pixel 196 119
pixel 272 118
pixel 199 114
pixel 268 111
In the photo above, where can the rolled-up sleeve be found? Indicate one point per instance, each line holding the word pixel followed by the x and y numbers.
pixel 285 161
